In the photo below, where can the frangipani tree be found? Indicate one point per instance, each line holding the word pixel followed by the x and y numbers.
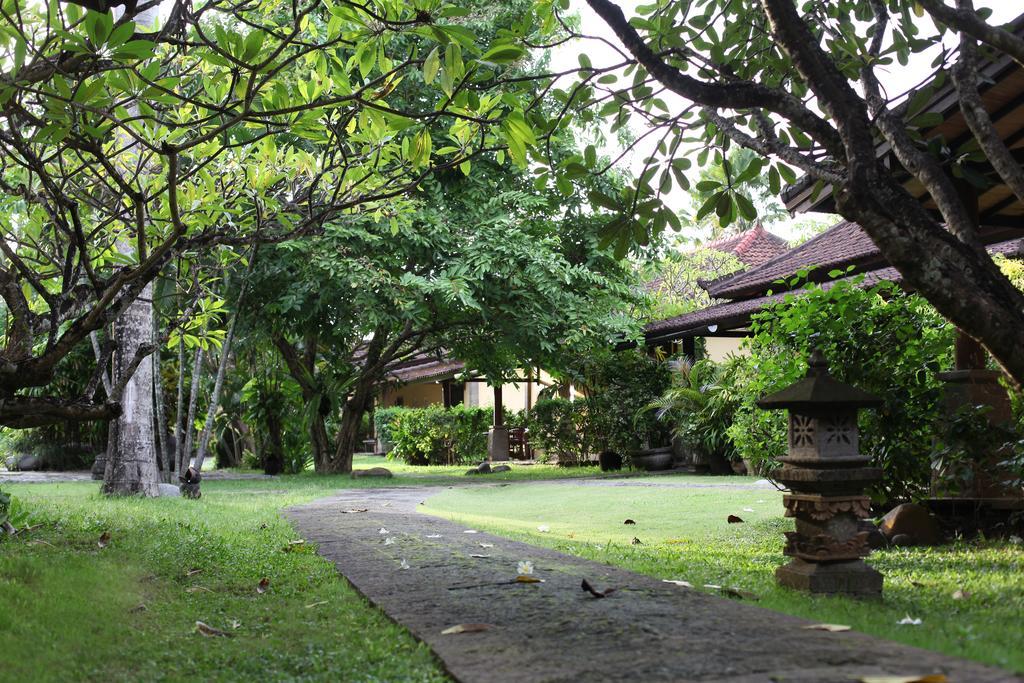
pixel 230 124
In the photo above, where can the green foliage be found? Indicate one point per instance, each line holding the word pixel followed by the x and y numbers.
pixel 5 508
pixel 700 405
pixel 675 280
pixel 560 428
pixel 879 339
pixel 383 422
pixel 440 436
pixel 733 190
pixel 609 415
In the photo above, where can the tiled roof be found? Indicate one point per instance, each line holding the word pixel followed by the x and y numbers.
pixel 425 368
pixel 753 247
pixel 843 244
pixel 734 314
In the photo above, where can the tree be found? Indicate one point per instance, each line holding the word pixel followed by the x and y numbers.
pixel 782 79
pixel 500 280
pixel 737 177
pixel 246 123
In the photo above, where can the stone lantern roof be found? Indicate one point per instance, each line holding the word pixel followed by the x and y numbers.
pixel 819 388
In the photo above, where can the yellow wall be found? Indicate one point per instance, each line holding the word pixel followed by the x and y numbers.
pixel 413 395
pixel 718 348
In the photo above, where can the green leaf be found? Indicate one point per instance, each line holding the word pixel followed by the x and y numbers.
pixel 503 54
pixel 431 65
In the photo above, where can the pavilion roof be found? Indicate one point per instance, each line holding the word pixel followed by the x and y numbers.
pixel 426 368
pixel 731 315
pixel 753 246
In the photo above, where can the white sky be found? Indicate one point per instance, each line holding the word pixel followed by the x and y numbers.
pixel 895 79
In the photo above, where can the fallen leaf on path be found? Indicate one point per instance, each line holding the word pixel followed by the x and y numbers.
pixel 478 556
pixel 465 628
pixel 524 567
pixel 733 519
pixel 389 540
pixel 684 584
pixel 354 511
pixel 211 632
pixel 593 591
pixel 927 678
pixel 636 541
pixel 403 564
pixel 526 578
pixel 832 628
pixel 486 545
pixel 909 621
pixel 104 540
pixel 433 535
pixel 713 586
pixel 470 531
pixel 138 608
pixel 385 504
pixel 193 572
pixel 629 521
pixel 263 585
pixel 316 604
pixel 382 531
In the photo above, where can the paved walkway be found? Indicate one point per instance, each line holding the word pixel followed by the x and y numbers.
pixel 435 575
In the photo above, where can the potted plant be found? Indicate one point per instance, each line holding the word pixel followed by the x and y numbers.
pixel 699 406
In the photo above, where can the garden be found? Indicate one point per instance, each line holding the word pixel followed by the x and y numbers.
pixel 238 238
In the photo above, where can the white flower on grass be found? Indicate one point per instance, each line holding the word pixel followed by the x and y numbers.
pixel 524 568
pixel 909 621
pixel 382 531
pixel 389 540
pixel 543 528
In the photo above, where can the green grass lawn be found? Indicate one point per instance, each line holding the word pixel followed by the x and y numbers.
pixel 73 611
pixel 685 536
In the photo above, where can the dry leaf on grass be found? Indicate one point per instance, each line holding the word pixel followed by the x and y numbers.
pixel 263 585
pixel 354 511
pixel 138 608
pixel 193 572
pixel 593 591
pixel 733 519
pixel 636 541
pixel 389 540
pixel 196 589
pixel 465 628
pixel 40 541
pixel 961 594
pixel 732 592
pixel 927 678
pixel 684 584
pixel 486 545
pixel 104 540
pixel 909 621
pixel 316 604
pixel 543 528
pixel 526 578
pixel 832 628
pixel 433 535
pixel 629 521
pixel 479 556
pixel 211 632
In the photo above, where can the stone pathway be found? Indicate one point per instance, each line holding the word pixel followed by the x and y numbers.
pixel 434 575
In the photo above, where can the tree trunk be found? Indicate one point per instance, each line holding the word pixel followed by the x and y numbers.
pixel 166 453
pixel 179 412
pixel 211 411
pixel 351 420
pixel 320 442
pixel 131 464
pixel 189 429
pixel 273 459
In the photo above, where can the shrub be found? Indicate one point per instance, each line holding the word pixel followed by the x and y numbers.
pixel 879 339
pixel 559 427
pixel 700 405
pixel 383 420
pixel 439 436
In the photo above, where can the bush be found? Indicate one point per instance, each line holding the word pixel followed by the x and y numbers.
pixel 383 420
pixel 559 427
pixel 879 339
pixel 439 436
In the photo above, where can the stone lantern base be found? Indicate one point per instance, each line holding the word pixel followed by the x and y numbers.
pixel 854 577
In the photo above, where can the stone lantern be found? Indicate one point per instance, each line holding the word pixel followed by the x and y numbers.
pixel 826 477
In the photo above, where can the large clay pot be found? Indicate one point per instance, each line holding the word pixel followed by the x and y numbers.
pixel 652 459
